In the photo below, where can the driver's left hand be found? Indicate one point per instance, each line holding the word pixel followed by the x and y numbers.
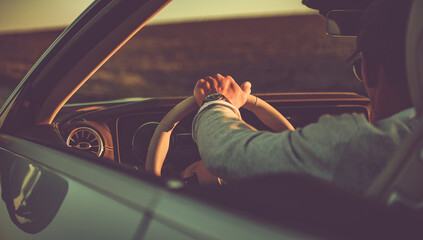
pixel 203 175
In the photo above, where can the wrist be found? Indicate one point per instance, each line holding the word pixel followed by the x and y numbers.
pixel 210 104
pixel 215 97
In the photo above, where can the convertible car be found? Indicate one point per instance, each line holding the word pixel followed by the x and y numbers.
pixel 112 170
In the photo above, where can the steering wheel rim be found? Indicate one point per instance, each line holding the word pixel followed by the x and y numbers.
pixel 159 144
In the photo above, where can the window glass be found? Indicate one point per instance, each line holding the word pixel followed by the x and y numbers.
pixel 27 29
pixel 276 48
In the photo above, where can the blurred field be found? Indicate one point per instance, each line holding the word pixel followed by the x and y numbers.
pixel 279 54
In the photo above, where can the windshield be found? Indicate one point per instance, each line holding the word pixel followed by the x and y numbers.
pixel 276 48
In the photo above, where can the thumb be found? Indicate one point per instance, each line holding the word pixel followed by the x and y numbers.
pixel 246 87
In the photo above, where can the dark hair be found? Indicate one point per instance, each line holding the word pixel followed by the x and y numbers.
pixel 382 38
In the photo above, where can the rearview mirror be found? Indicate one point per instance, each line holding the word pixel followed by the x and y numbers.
pixel 343 23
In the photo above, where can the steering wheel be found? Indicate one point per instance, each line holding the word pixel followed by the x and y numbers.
pixel 159 144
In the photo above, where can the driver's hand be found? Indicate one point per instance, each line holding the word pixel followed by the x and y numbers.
pixel 226 86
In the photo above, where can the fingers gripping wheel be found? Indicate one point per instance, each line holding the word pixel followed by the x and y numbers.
pixel 159 144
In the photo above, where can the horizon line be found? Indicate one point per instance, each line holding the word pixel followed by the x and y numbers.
pixel 163 22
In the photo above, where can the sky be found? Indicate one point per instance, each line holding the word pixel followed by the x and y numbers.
pixel 24 15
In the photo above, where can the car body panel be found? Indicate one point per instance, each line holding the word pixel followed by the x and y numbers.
pixel 93 211
pixel 107 204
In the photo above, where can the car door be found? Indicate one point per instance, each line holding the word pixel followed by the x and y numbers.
pixel 49 194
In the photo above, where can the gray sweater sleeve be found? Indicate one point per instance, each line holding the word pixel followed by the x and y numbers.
pixel 230 148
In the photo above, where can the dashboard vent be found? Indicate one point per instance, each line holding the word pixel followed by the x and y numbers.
pixel 86 139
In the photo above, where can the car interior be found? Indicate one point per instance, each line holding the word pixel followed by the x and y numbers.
pixel 122 131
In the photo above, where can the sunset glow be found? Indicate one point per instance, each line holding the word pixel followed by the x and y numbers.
pixel 24 15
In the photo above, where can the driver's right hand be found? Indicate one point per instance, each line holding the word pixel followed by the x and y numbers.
pixel 226 86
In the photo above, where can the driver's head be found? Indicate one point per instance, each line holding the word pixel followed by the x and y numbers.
pixel 382 42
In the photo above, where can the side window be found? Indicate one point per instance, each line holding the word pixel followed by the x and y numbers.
pixel 27 29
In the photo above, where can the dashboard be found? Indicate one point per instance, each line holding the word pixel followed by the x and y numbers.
pixel 120 131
